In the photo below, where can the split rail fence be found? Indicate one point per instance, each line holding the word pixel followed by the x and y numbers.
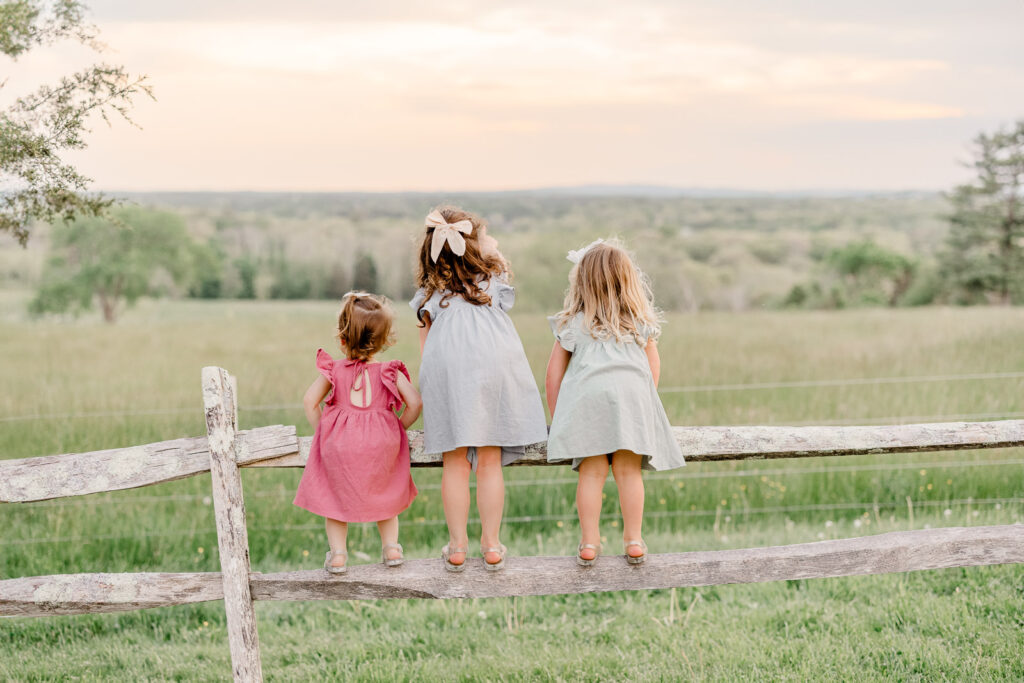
pixel 225 449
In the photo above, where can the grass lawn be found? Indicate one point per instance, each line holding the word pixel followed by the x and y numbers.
pixel 82 385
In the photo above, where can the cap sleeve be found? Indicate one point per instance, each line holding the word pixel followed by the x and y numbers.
pixel 420 302
pixel 502 293
pixel 646 333
pixel 389 378
pixel 564 333
pixel 325 366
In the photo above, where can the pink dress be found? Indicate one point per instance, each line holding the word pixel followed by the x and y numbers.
pixel 358 467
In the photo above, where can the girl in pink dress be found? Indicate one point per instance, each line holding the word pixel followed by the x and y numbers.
pixel 358 467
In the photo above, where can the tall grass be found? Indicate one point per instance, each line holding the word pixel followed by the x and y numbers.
pixel 83 386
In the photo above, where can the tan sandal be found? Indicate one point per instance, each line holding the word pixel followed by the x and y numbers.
pixel 639 559
pixel 582 561
pixel 447 552
pixel 500 564
pixel 331 569
pixel 396 562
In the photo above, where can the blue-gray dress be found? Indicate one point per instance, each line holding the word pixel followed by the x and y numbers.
pixel 607 401
pixel 474 377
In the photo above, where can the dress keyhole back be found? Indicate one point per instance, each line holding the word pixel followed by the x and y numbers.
pixel 359 394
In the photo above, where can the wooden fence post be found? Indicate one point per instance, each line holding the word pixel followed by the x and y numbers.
pixel 220 401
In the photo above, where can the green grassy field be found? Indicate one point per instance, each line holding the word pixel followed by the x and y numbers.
pixel 76 386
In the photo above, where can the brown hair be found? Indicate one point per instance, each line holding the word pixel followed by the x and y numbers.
pixel 458 275
pixel 364 325
pixel 614 297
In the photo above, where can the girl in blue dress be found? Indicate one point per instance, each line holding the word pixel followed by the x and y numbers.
pixel 481 406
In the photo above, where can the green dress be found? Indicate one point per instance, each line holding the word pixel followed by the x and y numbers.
pixel 608 401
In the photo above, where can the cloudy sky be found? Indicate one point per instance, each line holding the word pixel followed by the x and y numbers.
pixel 465 95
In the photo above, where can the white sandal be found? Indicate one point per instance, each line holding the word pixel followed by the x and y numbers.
pixel 388 562
pixel 635 560
pixel 447 552
pixel 331 569
pixel 583 562
pixel 500 564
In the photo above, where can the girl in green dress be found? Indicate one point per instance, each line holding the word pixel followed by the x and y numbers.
pixel 601 383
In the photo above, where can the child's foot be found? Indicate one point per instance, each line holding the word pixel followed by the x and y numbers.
pixel 494 558
pixel 636 552
pixel 454 557
pixel 335 561
pixel 586 553
pixel 392 555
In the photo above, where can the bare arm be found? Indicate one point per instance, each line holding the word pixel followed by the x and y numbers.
pixel 653 359
pixel 557 364
pixel 314 396
pixel 424 330
pixel 413 401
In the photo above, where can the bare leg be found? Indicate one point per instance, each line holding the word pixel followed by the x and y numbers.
pixel 593 472
pixel 490 498
pixel 626 469
pixel 388 529
pixel 337 537
pixel 455 498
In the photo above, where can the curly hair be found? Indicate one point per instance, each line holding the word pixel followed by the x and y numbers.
pixel 458 275
pixel 365 325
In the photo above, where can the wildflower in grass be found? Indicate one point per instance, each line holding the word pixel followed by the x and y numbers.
pixel 207 500
pixel 764 478
pixel 920 489
pixel 724 502
pixel 679 485
pixel 947 512
pixel 200 550
pixel 856 523
pixel 661 501
pixel 693 507
pixel 206 623
pixel 974 513
pixel 782 489
pixel 615 523
pixel 828 524
pixel 559 524
pixel 999 506
pixel 482 614
pixel 728 518
pixel 923 472
pixel 929 487
pixel 949 482
pixel 743 487
pixel 305 553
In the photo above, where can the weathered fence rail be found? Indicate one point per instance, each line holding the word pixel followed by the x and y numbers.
pixel 225 449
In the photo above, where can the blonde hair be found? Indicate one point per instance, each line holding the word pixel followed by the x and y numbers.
pixel 365 325
pixel 613 295
pixel 458 275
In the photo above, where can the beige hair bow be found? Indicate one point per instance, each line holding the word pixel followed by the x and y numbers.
pixel 445 232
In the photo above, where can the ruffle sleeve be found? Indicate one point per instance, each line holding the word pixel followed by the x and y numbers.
pixel 564 333
pixel 421 303
pixel 646 333
pixel 389 378
pixel 503 294
pixel 325 366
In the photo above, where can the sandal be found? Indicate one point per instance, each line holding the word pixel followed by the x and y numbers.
pixel 331 569
pixel 582 561
pixel 447 552
pixel 396 562
pixel 500 564
pixel 639 559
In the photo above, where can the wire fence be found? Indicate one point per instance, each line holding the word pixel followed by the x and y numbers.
pixel 205 499
pixel 699 388
pixel 866 507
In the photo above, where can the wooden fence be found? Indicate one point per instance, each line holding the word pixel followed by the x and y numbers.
pixel 225 449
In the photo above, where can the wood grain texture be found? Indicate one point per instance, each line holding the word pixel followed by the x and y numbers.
pixel 899 551
pixel 220 402
pixel 885 553
pixel 79 474
pixel 40 596
pixel 707 444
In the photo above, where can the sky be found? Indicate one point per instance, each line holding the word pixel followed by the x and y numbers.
pixel 318 95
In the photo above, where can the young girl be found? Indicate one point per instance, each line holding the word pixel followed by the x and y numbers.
pixel 481 405
pixel 601 385
pixel 358 468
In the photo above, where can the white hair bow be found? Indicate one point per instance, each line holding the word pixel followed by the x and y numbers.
pixel 445 232
pixel 576 255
